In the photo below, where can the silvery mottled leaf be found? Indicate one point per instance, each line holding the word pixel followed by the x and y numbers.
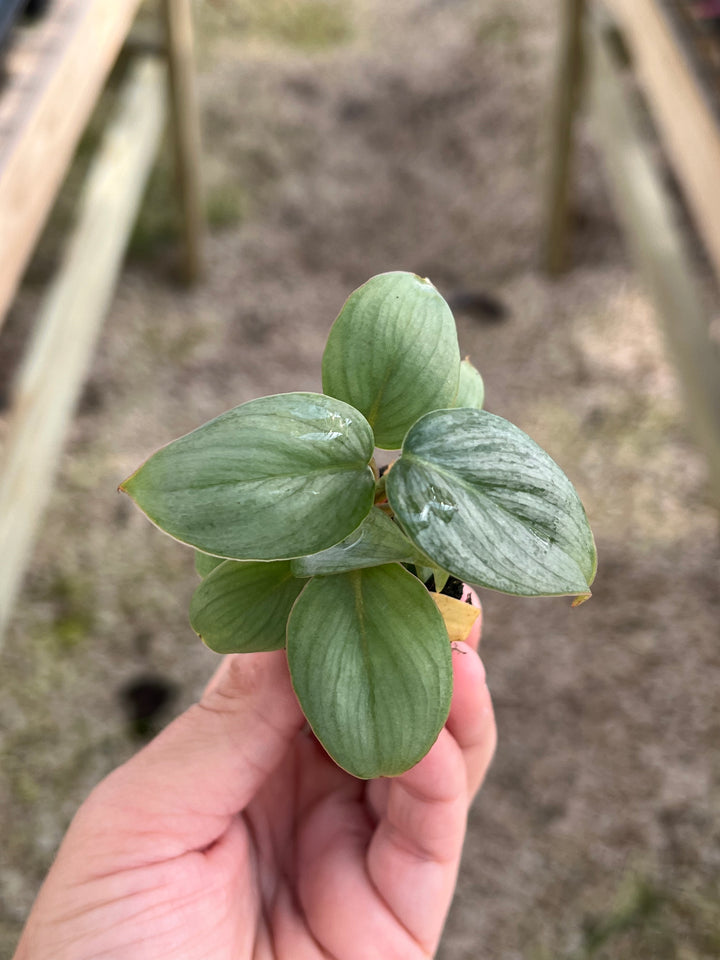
pixel 278 477
pixel 486 503
pixel 370 662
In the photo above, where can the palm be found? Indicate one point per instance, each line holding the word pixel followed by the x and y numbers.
pixel 286 861
pixel 275 885
pixel 234 837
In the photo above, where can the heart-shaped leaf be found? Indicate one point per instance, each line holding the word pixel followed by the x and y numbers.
pixel 278 477
pixel 376 541
pixel 485 502
pixel 471 389
pixel 370 661
pixel 244 607
pixel 393 354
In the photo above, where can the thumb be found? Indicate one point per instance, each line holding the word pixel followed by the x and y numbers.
pixel 181 791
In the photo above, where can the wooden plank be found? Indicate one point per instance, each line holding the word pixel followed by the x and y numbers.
pixel 186 130
pixel 684 118
pixel 656 241
pixel 55 73
pixel 566 97
pixel 71 315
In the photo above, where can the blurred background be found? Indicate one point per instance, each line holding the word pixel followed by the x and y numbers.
pixel 343 138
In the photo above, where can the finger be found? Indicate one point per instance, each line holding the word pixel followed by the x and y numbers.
pixel 376 797
pixel 319 776
pixel 182 790
pixel 414 855
pixel 471 720
pixel 377 790
pixel 469 596
pixel 219 677
pixel 344 908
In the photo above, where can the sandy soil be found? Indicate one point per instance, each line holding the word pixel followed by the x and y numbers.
pixel 362 138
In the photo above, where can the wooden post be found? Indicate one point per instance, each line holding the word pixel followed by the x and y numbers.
pixel 186 130
pixel 71 316
pixel 656 242
pixel 566 98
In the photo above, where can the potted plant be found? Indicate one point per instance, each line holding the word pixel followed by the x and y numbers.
pixel 302 543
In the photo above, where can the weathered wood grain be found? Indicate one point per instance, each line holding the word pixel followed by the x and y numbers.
pixel 71 316
pixel 55 70
pixel 685 120
pixel 659 250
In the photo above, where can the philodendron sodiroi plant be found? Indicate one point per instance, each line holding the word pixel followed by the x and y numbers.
pixel 302 544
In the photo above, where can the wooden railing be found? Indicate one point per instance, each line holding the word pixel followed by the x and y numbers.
pixel 688 125
pixel 56 74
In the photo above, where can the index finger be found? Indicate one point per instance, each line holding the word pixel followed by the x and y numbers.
pixel 469 596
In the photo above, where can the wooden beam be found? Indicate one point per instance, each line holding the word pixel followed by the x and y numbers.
pixel 685 121
pixel 71 316
pixel 186 131
pixel 55 73
pixel 656 242
pixel 566 97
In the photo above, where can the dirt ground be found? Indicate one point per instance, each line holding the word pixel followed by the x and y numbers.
pixel 344 139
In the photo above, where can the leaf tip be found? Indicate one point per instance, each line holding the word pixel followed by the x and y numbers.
pixel 124 487
pixel 581 598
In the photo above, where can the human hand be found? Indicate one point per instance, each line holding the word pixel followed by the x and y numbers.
pixel 233 836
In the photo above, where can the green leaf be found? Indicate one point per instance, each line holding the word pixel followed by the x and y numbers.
pixel 441 578
pixel 244 607
pixel 471 389
pixel 278 477
pixel 370 661
pixel 376 541
pixel 486 503
pixel 205 564
pixel 424 572
pixel 393 354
